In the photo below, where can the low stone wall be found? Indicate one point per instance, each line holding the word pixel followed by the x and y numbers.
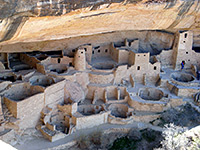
pixel 52 135
pixel 91 90
pixel 187 92
pixel 116 120
pixel 143 105
pixel 27 110
pixel 99 78
pixel 135 118
pixel 183 91
pixel 54 93
pixel 111 92
pixel 83 122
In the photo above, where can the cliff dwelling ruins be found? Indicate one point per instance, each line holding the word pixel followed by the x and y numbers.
pixel 72 67
pixel 61 92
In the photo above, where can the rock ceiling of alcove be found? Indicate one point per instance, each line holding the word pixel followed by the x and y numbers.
pixel 22 27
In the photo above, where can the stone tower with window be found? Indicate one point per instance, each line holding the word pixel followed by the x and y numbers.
pixel 80 60
pixel 183 49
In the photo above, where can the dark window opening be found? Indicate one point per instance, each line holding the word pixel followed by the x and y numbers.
pixel 70 64
pixel 188 59
pixel 144 55
pixel 186 52
pixel 185 35
pixel 81 52
pixel 138 68
pixel 106 50
pixel 97 47
pixel 73 50
pixel 52 53
pixel 129 44
pixel 98 51
pixel 58 60
pixel 183 41
pixel 92 52
pixel 85 49
pixel 154 67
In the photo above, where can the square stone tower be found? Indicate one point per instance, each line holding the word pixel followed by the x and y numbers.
pixel 80 60
pixel 183 49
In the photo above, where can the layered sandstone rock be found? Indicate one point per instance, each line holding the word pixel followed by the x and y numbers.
pixel 37 25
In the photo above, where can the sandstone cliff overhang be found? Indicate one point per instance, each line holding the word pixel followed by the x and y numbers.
pixel 35 32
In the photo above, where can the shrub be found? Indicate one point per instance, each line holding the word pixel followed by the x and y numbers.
pixel 174 138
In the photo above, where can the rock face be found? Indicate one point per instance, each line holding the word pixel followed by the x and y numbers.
pixel 35 24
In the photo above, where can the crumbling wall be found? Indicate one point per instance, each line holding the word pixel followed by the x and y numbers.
pixel 30 60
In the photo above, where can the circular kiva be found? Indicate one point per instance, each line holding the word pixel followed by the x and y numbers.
pixel 150 94
pixel 182 77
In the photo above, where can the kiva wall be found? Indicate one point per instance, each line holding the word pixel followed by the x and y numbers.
pixel 88 121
